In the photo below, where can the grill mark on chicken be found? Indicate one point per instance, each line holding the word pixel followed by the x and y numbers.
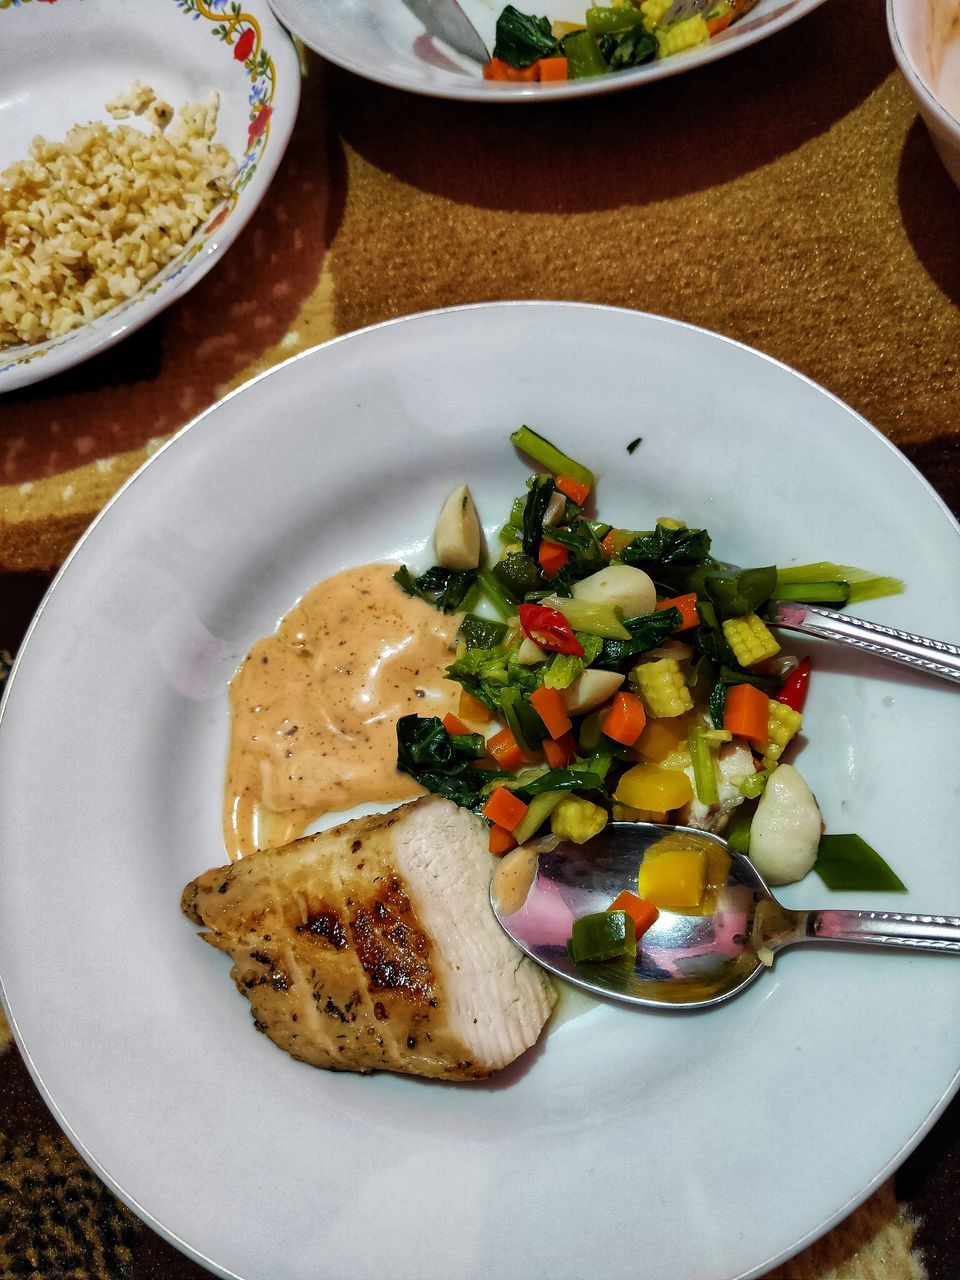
pixel 390 962
pixel 394 953
pixel 326 926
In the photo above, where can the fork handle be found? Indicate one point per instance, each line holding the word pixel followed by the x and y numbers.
pixel 932 657
pixel 880 929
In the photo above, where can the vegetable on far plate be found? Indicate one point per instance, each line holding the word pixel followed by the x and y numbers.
pixel 601 39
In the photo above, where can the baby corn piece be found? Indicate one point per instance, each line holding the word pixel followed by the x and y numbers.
pixel 750 639
pixel 782 723
pixel 577 819
pixel 662 687
pixel 654 12
pixel 681 35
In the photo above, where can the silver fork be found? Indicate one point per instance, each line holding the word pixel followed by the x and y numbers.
pixel 932 657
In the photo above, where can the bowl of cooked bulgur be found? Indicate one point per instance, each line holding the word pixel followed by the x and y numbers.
pixel 135 143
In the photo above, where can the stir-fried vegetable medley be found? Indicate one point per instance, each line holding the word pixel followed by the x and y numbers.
pixel 611 37
pixel 630 675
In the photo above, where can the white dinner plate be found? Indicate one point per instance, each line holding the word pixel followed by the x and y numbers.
pixel 382 40
pixel 62 61
pixel 629 1145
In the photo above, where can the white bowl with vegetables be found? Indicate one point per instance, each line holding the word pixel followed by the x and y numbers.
pixel 541 52
pixel 136 645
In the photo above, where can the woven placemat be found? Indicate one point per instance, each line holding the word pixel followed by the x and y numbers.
pixel 787 197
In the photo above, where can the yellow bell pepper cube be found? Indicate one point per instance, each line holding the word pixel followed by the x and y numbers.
pixel 660 737
pixel 674 880
pixel 648 786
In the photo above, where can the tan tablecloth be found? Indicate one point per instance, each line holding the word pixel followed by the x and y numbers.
pixel 787 196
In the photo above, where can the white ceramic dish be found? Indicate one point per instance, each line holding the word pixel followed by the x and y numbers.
pixel 925 35
pixel 628 1145
pixel 61 61
pixel 382 40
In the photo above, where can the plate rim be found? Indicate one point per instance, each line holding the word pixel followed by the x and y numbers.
pixel 115 1187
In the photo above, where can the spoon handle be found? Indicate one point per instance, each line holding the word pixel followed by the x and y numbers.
pixel 932 657
pixel 882 928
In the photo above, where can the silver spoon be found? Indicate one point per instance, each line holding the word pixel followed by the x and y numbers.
pixel 683 961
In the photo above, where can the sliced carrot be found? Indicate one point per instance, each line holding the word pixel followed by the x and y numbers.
pixel 552 557
pixel 501 841
pixel 561 751
pixel 505 749
pixel 615 541
pixel 554 69
pixel 720 22
pixel 497 69
pixel 472 708
pixel 608 545
pixel 642 912
pixel 687 606
pixel 548 704
pixel 453 724
pixel 626 719
pixel 504 809
pixel 745 713
pixel 570 488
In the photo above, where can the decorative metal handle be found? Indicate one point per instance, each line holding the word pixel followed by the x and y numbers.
pixel 932 657
pixel 880 929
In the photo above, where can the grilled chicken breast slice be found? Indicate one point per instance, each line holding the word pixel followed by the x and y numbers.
pixel 373 946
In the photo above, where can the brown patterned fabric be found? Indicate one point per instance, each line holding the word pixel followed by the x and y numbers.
pixel 787 196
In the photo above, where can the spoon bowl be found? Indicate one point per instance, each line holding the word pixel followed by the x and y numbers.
pixel 684 960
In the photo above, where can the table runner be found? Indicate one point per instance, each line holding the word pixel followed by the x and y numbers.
pixel 788 197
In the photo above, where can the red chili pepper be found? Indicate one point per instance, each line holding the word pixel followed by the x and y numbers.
pixel 241 50
pixel 549 629
pixel 794 691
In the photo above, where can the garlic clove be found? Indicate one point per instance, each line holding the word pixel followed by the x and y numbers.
pixel 456 538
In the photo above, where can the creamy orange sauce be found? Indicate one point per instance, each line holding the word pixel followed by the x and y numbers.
pixel 513 879
pixel 314 707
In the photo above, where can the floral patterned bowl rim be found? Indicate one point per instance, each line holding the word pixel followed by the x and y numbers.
pixel 237 48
